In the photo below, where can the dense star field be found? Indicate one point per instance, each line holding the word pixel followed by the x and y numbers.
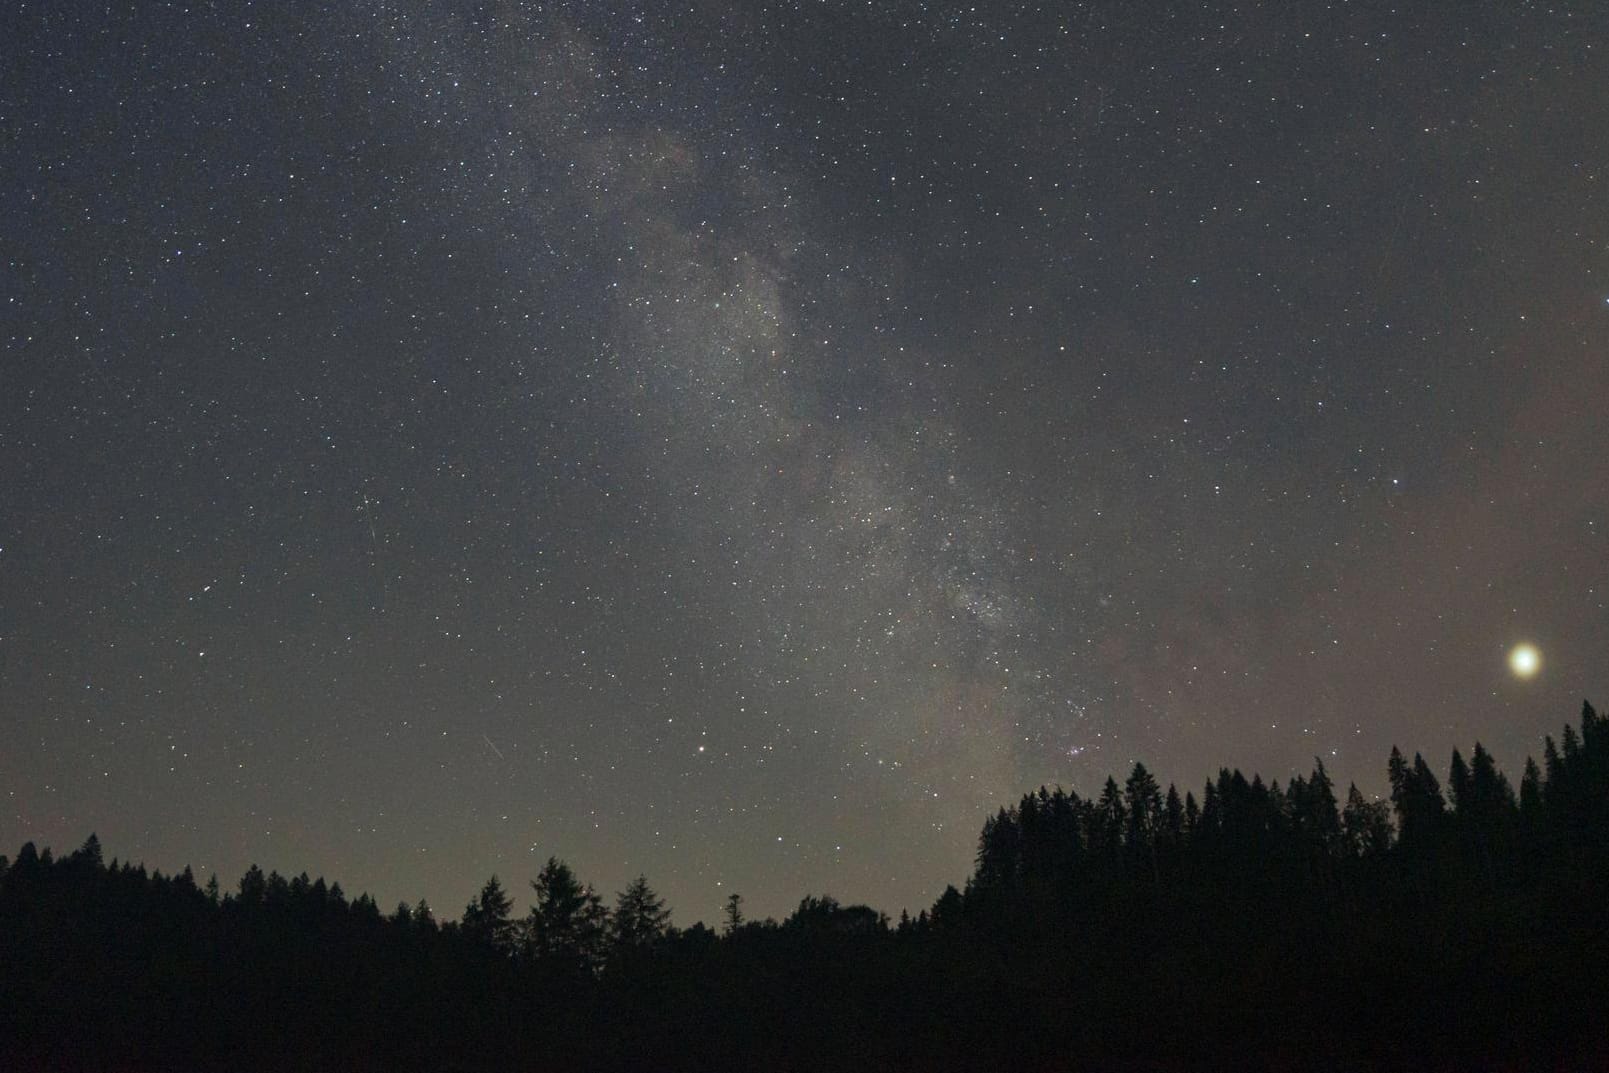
pixel 748 443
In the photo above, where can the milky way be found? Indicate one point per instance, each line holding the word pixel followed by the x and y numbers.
pixel 746 444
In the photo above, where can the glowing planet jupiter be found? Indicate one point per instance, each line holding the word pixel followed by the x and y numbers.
pixel 1525 660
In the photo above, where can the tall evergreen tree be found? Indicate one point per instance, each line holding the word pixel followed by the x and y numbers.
pixel 1142 799
pixel 1109 819
pixel 1553 766
pixel 1313 809
pixel 487 919
pixel 1211 823
pixel 948 910
pixel 1592 726
pixel 1000 848
pixel 1366 825
pixel 568 924
pixel 1531 793
pixel 1416 796
pixel 1570 741
pixel 732 913
pixel 90 852
pixel 1173 816
pixel 1458 786
pixel 640 917
pixel 1397 773
pixel 1491 794
pixel 253 887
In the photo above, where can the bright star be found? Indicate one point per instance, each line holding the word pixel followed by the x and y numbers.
pixel 1525 660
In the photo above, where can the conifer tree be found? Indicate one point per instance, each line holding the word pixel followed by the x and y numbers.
pixel 1313 810
pixel 1211 822
pixel 1143 804
pixel 1000 849
pixel 1458 787
pixel 486 919
pixel 1553 765
pixel 732 913
pixel 1416 796
pixel 1591 726
pixel 947 911
pixel 1173 816
pixel 1366 825
pixel 1571 743
pixel 568 923
pixel 1397 772
pixel 640 917
pixel 1531 793
pixel 90 852
pixel 1109 818
pixel 1489 788
pixel 253 887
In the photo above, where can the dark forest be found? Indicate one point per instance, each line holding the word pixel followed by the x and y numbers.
pixel 1458 926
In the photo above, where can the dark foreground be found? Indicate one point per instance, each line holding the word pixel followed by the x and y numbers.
pixel 1259 928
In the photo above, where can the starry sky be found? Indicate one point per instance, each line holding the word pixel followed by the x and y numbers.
pixel 747 443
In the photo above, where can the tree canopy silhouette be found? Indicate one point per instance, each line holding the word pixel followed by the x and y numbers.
pixel 1264 925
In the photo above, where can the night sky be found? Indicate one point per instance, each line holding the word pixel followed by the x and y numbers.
pixel 749 443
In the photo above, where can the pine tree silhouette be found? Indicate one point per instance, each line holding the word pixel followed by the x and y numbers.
pixel 486 920
pixel 640 917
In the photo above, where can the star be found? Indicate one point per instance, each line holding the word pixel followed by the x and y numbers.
pixel 1525 660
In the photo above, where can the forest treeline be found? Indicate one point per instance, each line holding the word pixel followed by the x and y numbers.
pixel 1460 925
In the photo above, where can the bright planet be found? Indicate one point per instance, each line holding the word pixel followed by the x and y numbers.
pixel 1525 660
